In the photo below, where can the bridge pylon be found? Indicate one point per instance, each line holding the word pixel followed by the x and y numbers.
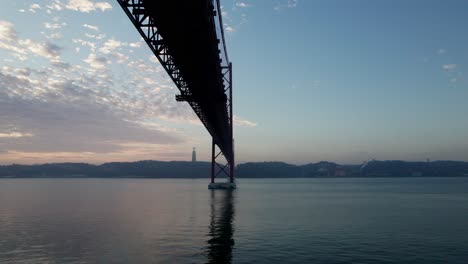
pixel 227 167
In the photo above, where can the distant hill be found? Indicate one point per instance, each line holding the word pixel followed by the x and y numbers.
pixel 138 169
pixel 395 168
pixel 285 170
pixel 184 169
pixel 267 169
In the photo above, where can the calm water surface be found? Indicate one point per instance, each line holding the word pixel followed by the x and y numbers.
pixel 391 220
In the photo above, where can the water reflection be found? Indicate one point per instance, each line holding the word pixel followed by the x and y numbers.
pixel 221 231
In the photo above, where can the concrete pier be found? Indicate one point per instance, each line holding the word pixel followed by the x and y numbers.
pixel 222 185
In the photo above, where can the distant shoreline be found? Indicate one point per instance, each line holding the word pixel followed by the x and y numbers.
pixel 207 177
pixel 192 170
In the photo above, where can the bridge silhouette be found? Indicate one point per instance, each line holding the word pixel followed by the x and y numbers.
pixel 187 38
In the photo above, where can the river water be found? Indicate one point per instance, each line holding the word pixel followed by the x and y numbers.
pixel 360 220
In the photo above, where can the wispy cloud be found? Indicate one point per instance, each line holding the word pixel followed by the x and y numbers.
pixel 285 4
pixel 87 6
pixel 60 126
pixel 239 121
pixel 15 135
pixel 111 45
pixel 76 114
pixel 441 51
pixel 292 3
pixel 236 17
pixel 449 67
pixel 85 43
pixel 48 25
pixel 136 44
pixel 21 48
pixel 56 5
pixel 7 32
pixel 72 100
pixel 34 7
pixel 242 4
pixel 95 61
pixel 95 28
pixel 230 29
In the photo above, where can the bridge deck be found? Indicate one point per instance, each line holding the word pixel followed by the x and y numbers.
pixel 188 28
pixel 182 34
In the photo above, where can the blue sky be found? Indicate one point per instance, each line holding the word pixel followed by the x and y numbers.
pixel 343 81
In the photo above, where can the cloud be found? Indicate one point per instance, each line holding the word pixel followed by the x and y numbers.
pixel 15 135
pixel 60 64
pixel 56 108
pixel 95 28
pixel 87 6
pixel 449 67
pixel 238 121
pixel 7 33
pixel 53 29
pixel 111 45
pixel 96 62
pixel 92 36
pixel 56 5
pixel 67 116
pixel 53 36
pixel 141 92
pixel 89 44
pixel 119 57
pixel 242 4
pixel 230 29
pixel 292 3
pixel 286 4
pixel 136 44
pixel 46 50
pixel 54 25
pixel 60 126
pixel 441 51
pixel 34 7
pixel 236 17
pixel 23 47
pixel 143 88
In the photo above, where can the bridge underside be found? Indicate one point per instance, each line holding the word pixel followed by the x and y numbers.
pixel 183 35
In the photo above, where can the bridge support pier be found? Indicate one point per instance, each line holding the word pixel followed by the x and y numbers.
pixel 227 169
pixel 218 170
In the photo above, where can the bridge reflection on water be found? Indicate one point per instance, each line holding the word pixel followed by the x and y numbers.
pixel 221 230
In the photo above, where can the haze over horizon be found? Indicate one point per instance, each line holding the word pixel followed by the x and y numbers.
pixel 313 80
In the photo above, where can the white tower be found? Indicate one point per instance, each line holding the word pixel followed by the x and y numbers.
pixel 194 155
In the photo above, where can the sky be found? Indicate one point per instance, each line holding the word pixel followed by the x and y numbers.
pixel 343 81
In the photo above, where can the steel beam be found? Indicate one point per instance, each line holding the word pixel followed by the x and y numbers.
pixel 228 168
pixel 146 26
pixel 215 110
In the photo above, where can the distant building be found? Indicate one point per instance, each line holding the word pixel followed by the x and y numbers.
pixel 194 155
pixel 340 171
pixel 323 172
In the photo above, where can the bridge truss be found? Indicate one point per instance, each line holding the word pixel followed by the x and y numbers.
pixel 187 38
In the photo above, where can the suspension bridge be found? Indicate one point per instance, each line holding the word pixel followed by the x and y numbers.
pixel 187 38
